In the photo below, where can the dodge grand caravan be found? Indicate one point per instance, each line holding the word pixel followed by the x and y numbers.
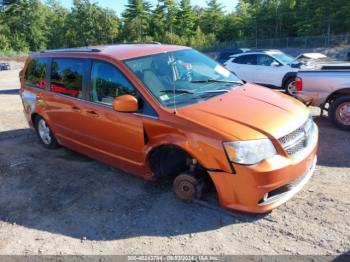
pixel 163 110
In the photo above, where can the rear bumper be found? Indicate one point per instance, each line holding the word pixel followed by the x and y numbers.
pixel 312 98
pixel 305 98
pixel 265 186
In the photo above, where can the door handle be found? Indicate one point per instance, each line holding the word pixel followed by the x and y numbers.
pixel 92 113
pixel 75 109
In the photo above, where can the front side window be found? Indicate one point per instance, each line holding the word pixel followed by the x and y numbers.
pixel 246 60
pixel 36 73
pixel 67 76
pixel 265 60
pixel 182 77
pixel 107 83
pixel 284 58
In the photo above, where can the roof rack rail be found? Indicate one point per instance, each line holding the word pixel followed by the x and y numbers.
pixel 138 43
pixel 73 50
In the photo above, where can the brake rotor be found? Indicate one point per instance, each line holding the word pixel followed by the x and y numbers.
pixel 188 187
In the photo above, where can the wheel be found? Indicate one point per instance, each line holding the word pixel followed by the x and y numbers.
pixel 339 112
pixel 187 187
pixel 289 86
pixel 45 134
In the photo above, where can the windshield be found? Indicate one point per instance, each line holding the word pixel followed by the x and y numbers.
pixel 184 77
pixel 284 58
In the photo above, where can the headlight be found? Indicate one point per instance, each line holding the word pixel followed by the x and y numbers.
pixel 249 152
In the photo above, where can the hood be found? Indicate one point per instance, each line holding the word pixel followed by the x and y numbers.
pixel 248 112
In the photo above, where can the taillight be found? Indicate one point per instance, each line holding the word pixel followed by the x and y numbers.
pixel 298 84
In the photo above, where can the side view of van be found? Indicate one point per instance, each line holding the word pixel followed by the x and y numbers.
pixel 169 111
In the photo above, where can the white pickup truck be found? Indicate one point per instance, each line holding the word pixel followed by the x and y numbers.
pixel 329 90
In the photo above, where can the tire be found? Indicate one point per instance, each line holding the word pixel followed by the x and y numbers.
pixel 339 112
pixel 44 133
pixel 289 86
pixel 188 187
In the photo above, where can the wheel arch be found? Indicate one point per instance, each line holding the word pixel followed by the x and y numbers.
pixel 33 118
pixel 159 155
pixel 337 93
pixel 288 76
pixel 185 163
pixel 209 154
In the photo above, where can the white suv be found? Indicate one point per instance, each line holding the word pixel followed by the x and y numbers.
pixel 271 68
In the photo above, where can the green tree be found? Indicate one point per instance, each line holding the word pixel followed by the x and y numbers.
pixel 26 22
pixel 34 25
pixel 164 21
pixel 136 18
pixel 4 40
pixel 158 23
pixel 56 21
pixel 202 41
pixel 88 24
pixel 186 19
pixel 211 19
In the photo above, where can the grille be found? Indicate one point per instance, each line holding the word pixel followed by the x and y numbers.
pixel 297 140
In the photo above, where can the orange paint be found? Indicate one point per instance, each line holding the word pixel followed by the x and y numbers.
pixel 248 112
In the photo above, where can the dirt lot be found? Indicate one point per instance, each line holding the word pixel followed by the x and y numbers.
pixel 60 202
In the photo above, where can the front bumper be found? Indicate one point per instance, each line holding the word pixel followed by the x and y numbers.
pixel 264 186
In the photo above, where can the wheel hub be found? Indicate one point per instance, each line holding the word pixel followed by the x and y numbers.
pixel 188 187
pixel 44 132
pixel 343 113
pixel 291 88
pixel 187 190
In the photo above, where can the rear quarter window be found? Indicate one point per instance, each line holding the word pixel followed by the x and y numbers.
pixel 67 76
pixel 36 73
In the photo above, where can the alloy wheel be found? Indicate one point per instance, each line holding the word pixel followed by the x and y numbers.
pixel 44 132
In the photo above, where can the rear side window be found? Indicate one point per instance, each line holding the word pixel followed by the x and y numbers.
pixel 67 76
pixel 36 73
pixel 107 83
pixel 246 59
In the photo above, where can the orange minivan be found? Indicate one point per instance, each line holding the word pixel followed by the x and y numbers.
pixel 169 111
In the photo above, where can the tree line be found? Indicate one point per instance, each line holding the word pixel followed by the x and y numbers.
pixel 31 25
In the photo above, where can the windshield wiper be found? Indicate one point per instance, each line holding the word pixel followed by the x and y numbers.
pixel 210 80
pixel 210 93
pixel 176 91
pixel 214 91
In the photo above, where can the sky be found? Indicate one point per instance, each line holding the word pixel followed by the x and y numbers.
pixel 118 5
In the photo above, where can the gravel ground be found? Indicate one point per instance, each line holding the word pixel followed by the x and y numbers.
pixel 9 79
pixel 60 202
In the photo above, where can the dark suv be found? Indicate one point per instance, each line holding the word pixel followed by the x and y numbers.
pixel 226 54
pixel 5 66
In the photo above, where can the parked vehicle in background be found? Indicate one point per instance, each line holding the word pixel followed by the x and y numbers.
pixel 225 54
pixel 318 61
pixel 311 56
pixel 5 66
pixel 271 68
pixel 169 111
pixel 329 90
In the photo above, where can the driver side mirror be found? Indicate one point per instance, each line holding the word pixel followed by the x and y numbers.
pixel 275 64
pixel 125 103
